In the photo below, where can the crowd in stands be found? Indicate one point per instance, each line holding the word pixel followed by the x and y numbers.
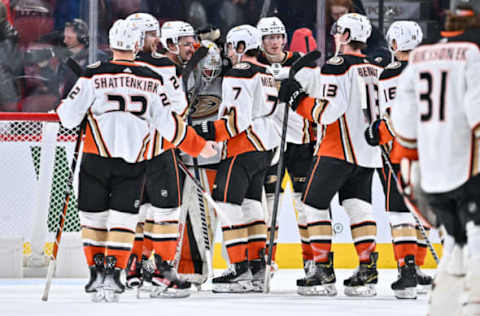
pixel 37 36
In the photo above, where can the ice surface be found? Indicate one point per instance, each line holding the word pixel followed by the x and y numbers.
pixel 22 297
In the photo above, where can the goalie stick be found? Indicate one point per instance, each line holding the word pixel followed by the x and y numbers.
pixel 367 111
pixel 77 70
pixel 296 66
pixel 200 53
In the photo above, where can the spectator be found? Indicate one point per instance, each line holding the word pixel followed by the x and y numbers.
pixel 10 66
pixel 377 47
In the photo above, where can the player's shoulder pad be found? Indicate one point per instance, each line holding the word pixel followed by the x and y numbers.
pixel 245 70
pixel 99 68
pixel 470 35
pixel 393 70
pixel 336 65
pixel 94 65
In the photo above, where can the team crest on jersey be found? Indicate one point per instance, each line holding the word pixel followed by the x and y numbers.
pixel 241 66
pixel 206 106
pixel 94 65
pixel 394 65
pixel 337 60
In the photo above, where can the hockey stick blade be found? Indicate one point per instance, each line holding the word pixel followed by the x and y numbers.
pixel 303 61
pixel 201 52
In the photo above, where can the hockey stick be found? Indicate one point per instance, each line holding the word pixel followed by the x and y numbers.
pixel 296 66
pixel 77 70
pixel 200 53
pixel 410 204
pixel 68 193
pixel 265 7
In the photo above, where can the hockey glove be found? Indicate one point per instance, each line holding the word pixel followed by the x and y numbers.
pixel 292 93
pixel 378 133
pixel 206 130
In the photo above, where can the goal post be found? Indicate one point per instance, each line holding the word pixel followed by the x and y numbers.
pixel 36 153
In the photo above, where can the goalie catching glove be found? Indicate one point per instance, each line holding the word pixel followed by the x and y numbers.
pixel 292 93
pixel 378 133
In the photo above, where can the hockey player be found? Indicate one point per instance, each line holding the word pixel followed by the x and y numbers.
pixel 208 80
pixel 118 98
pixel 436 119
pixel 300 134
pixel 246 126
pixel 164 181
pixel 410 251
pixel 344 162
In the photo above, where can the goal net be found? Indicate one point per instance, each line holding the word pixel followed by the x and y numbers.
pixel 36 153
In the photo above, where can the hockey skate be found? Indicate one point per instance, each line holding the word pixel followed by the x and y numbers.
pixel 166 282
pixel 97 276
pixel 134 272
pixel 364 279
pixel 257 267
pixel 236 279
pixel 319 281
pixel 424 281
pixel 406 285
pixel 112 286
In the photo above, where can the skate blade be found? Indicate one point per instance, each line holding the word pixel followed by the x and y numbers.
pixel 364 291
pixel 170 293
pixel 407 293
pixel 317 290
pixel 238 287
pixel 424 289
pixel 257 286
pixel 111 296
pixel 98 296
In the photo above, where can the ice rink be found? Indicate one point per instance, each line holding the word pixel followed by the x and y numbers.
pixel 22 297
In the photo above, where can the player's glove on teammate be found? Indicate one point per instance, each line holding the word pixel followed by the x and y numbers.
pixel 378 133
pixel 206 130
pixel 292 93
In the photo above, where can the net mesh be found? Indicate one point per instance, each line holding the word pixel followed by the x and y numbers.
pixel 23 145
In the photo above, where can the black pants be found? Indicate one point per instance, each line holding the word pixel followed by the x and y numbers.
pixel 110 183
pixel 330 175
pixel 241 177
pixel 298 159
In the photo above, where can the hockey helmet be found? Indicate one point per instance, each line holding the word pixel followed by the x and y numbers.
pixel 145 22
pixel 271 25
pixel 406 34
pixel 358 25
pixel 124 35
pixel 173 30
pixel 246 34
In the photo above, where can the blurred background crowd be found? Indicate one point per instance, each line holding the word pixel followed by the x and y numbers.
pixel 37 36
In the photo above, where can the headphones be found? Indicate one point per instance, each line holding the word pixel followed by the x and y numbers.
pixel 80 28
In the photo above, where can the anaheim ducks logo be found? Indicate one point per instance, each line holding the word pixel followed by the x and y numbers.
pixel 206 106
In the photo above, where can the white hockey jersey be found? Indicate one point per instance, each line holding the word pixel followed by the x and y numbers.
pixel 120 100
pixel 437 110
pixel 349 100
pixel 173 86
pixel 246 120
pixel 300 130
pixel 388 85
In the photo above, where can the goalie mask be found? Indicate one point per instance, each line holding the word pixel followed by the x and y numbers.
pixel 173 31
pixel 358 26
pixel 246 34
pixel 406 34
pixel 211 65
pixel 126 36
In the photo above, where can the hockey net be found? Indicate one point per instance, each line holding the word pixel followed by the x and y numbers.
pixel 36 153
